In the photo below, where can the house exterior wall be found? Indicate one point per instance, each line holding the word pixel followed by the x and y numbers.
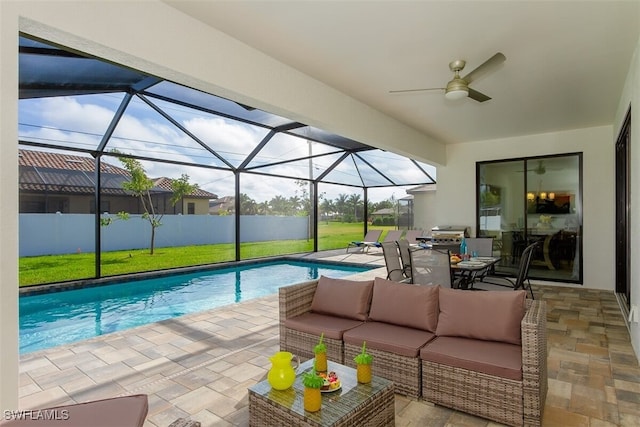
pixel 597 145
pixel 424 211
pixel 84 204
pixel 201 206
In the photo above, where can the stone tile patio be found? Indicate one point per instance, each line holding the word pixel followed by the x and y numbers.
pixel 199 366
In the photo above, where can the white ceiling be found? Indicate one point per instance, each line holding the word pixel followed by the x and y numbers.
pixel 565 68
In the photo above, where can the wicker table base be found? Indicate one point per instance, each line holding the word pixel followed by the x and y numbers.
pixel 355 404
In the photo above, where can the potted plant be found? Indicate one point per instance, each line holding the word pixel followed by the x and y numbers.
pixel 312 395
pixel 320 351
pixel 363 365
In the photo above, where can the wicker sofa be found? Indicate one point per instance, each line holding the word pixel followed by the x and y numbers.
pixel 483 353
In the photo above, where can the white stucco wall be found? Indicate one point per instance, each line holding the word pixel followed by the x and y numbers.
pixel 8 209
pixel 455 198
pixel 424 212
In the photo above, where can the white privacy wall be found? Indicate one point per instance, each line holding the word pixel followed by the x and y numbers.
pixel 456 188
pixel 53 234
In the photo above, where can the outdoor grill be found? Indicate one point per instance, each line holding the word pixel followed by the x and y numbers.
pixel 449 237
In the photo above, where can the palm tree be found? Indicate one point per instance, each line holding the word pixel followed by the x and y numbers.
pixel 355 203
pixel 341 204
pixel 248 206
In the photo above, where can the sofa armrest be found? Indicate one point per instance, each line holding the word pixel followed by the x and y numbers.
pixel 534 360
pixel 294 300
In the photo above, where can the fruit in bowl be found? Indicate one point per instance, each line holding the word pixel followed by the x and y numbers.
pixel 331 381
pixel 455 259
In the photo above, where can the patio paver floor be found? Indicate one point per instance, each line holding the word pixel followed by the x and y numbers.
pixel 199 366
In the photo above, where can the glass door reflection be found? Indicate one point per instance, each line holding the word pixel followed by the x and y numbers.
pixel 533 199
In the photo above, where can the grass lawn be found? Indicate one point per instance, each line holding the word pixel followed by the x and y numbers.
pixel 60 268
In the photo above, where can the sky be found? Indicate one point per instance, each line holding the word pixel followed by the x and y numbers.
pixel 80 122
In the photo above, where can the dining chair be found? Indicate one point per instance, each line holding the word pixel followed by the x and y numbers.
pixel 395 270
pixel 522 277
pixel 431 267
pixel 404 248
pixel 481 246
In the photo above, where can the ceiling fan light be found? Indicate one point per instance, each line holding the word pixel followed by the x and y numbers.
pixel 456 89
pixel 456 94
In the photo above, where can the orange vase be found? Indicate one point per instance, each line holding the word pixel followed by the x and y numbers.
pixel 363 372
pixel 321 362
pixel 312 399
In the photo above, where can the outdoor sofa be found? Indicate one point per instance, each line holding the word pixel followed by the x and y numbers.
pixel 481 352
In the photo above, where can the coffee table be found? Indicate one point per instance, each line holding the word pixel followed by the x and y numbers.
pixel 354 404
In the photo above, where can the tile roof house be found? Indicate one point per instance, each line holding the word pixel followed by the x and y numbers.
pixel 55 182
pixel 225 205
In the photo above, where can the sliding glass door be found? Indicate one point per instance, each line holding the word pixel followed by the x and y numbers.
pixel 521 201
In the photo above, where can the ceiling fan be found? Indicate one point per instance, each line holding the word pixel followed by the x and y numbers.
pixel 541 168
pixel 458 87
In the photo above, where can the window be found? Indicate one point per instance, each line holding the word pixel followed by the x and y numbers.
pixel 520 201
pixel 191 208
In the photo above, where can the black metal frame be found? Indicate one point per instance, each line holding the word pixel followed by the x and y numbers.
pixel 579 197
pixel 136 84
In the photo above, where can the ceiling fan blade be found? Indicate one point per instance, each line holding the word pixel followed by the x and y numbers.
pixel 478 96
pixel 485 67
pixel 415 90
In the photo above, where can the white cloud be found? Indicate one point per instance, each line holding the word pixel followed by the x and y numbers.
pixel 80 122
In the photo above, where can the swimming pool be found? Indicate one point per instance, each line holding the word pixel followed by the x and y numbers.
pixel 56 318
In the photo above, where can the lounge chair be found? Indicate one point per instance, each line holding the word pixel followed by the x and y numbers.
pixel 126 411
pixel 370 240
pixel 412 236
pixel 391 236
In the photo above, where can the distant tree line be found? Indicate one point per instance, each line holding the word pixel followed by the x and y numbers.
pixel 344 208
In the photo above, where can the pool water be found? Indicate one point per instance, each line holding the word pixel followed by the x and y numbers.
pixel 56 318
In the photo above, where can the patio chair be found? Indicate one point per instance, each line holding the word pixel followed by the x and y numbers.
pixel 480 246
pixel 405 256
pixel 395 271
pixel 412 236
pixel 370 240
pixel 522 278
pixel 431 267
pixel 391 236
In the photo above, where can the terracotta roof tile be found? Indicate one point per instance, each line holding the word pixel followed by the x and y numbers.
pixel 68 173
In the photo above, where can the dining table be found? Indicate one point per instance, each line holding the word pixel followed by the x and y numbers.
pixel 468 270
